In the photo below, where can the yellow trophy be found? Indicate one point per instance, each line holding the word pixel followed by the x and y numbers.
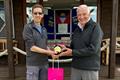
pixel 57 49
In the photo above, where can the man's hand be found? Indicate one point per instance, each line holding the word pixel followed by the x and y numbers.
pixel 66 52
pixel 53 54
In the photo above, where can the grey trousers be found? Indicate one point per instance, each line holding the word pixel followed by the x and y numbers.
pixel 37 72
pixel 77 74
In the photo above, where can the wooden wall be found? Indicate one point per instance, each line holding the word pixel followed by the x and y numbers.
pixel 106 17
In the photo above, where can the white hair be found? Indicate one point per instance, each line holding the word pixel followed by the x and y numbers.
pixel 83 6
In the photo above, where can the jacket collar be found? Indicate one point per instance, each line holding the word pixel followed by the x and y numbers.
pixel 88 23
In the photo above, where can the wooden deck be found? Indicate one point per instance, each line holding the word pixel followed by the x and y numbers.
pixel 20 73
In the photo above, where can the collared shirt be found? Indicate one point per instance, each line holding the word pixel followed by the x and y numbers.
pixel 39 27
pixel 80 26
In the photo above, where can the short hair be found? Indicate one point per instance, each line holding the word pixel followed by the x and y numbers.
pixel 83 6
pixel 37 6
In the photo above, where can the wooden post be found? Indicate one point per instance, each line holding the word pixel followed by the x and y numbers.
pixel 113 36
pixel 99 11
pixel 9 27
pixel 20 19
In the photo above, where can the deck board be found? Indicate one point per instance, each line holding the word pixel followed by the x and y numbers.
pixel 20 73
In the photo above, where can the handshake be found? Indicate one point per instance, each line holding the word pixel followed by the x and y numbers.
pixel 61 50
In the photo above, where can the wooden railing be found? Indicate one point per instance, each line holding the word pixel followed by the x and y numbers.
pixel 105 50
pixel 3 48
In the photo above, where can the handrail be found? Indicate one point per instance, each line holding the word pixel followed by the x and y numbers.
pixel 3 53
pixel 19 50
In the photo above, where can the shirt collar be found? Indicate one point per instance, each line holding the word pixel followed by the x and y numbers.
pixel 82 27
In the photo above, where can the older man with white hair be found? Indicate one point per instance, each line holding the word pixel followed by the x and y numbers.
pixel 85 47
